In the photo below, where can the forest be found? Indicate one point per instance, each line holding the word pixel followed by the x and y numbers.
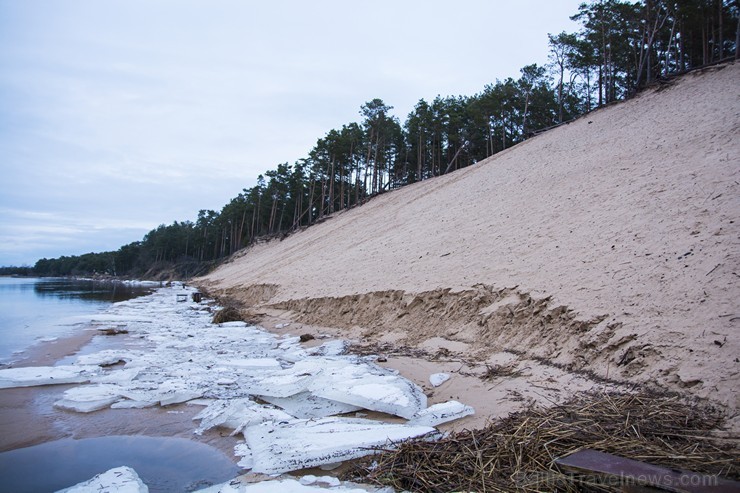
pixel 620 48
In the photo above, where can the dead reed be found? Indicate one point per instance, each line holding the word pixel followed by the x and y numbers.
pixel 517 453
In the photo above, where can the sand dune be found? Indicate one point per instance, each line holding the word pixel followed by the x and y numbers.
pixel 611 244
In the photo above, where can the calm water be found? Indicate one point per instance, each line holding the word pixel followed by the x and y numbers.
pixel 164 464
pixel 34 309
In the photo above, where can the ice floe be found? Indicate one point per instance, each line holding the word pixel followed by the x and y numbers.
pixel 89 398
pixel 46 375
pixel 117 480
pixel 283 398
pixel 441 413
pixel 237 414
pixel 299 444
pixel 288 485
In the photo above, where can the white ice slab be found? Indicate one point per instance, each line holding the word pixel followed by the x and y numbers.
pixel 175 392
pixel 306 405
pixel 252 363
pixel 119 377
pixel 233 324
pixel 330 481
pixel 284 383
pixel 242 450
pixel 331 348
pixel 45 375
pixel 237 414
pixel 441 413
pixel 389 394
pixel 89 398
pixel 107 357
pixel 284 486
pixel 118 480
pixel 279 448
pixel 437 379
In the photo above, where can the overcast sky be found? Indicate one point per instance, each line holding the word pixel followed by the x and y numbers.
pixel 120 115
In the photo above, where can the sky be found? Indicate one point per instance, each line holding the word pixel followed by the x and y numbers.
pixel 120 115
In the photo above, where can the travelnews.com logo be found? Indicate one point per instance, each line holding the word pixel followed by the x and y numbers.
pixel 674 480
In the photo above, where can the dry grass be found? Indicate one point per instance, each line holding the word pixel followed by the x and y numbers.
pixel 517 453
pixel 500 371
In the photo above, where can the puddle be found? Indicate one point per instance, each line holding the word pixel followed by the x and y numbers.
pixel 163 464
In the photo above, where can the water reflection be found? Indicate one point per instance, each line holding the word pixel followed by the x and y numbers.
pixel 42 308
pixel 88 289
pixel 163 464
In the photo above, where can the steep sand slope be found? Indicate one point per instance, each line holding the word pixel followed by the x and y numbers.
pixel 611 244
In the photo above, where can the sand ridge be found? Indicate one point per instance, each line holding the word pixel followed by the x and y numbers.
pixel 611 244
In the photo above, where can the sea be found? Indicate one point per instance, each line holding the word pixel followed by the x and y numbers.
pixel 34 310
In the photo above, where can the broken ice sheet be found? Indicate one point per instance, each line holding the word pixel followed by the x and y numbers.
pixel 108 357
pixel 242 450
pixel 237 414
pixel 117 480
pixel 360 386
pixel 441 413
pixel 305 405
pixel 46 375
pixel 256 364
pixel 89 398
pixel 283 447
pixel 285 485
pixel 330 348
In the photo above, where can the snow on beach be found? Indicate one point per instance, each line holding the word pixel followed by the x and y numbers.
pixel 281 397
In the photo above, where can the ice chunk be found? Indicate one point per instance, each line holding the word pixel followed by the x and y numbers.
pixel 45 375
pixel 438 379
pixel 285 486
pixel 253 363
pixel 106 358
pixel 118 377
pixel 389 394
pixel 323 480
pixel 117 480
pixel 306 405
pixel 441 413
pixel 331 348
pixel 233 324
pixel 175 392
pixel 279 448
pixel 138 398
pixel 282 383
pixel 128 404
pixel 89 398
pixel 128 318
pixel 242 450
pixel 237 414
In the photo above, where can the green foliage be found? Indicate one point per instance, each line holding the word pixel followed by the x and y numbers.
pixel 16 271
pixel 621 47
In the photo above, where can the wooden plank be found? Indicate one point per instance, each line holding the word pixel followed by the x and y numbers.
pixel 628 473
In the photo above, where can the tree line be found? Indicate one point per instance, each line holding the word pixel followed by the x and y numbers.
pixel 620 48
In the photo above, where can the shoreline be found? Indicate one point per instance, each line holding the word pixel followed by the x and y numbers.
pixel 28 417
